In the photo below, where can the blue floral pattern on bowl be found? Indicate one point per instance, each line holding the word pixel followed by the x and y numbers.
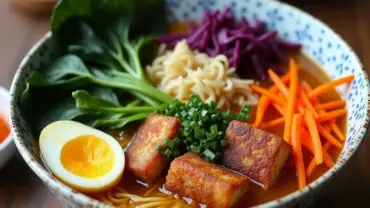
pixel 320 44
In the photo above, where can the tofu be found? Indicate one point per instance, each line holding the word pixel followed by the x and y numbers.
pixel 255 153
pixel 142 156
pixel 193 177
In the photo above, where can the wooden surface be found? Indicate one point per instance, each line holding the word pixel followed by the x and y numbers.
pixel 20 187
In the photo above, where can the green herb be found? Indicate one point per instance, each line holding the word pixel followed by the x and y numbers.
pixel 203 126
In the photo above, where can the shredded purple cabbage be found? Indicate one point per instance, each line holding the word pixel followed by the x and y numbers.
pixel 246 45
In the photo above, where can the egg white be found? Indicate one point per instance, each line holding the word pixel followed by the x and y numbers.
pixel 52 139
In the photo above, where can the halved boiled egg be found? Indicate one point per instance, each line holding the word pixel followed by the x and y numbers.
pixel 85 158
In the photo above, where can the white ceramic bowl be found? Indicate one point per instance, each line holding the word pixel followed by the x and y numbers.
pixel 7 147
pixel 320 43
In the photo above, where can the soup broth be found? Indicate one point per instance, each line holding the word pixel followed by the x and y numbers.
pixel 256 195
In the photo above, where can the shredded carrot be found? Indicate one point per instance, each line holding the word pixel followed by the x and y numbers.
pixel 307 143
pixel 268 94
pixel 333 125
pixel 327 127
pixel 283 89
pixel 330 85
pixel 328 136
pixel 291 100
pixel 314 133
pixel 261 109
pixel 279 109
pixel 278 83
pixel 306 120
pixel 337 131
pixel 312 165
pixel 308 89
pixel 307 103
pixel 273 123
pixel 331 105
pixel 297 150
pixel 332 115
pixel 265 101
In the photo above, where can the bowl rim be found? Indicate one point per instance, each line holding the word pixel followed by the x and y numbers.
pixel 80 198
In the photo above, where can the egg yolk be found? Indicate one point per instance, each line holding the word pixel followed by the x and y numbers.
pixel 87 156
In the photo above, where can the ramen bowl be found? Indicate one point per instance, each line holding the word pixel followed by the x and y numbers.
pixel 320 43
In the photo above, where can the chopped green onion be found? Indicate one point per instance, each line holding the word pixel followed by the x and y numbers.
pixel 160 148
pixel 208 153
pixel 195 149
pixel 169 143
pixel 223 143
pixel 177 141
pixel 168 153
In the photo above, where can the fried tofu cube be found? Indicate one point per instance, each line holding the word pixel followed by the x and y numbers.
pixel 255 153
pixel 193 177
pixel 142 156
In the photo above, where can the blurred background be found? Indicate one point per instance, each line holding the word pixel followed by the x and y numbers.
pixel 23 22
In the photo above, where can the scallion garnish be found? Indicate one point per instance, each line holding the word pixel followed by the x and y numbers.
pixel 203 127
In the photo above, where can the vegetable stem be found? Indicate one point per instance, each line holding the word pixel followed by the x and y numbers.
pixel 128 110
pixel 138 86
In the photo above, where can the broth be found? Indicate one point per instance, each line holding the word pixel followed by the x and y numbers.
pixel 286 184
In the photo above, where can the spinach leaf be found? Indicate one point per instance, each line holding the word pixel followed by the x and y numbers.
pixel 116 122
pixel 60 105
pixel 66 9
pixel 103 41
pixel 85 101
pixel 102 11
pixel 69 71
pixel 88 46
pixel 106 94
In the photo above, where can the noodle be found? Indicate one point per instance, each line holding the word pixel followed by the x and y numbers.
pixel 119 197
pixel 182 72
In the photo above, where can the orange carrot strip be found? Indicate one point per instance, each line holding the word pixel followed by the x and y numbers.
pixel 268 94
pixel 279 109
pixel 314 133
pixel 308 89
pixel 266 101
pixel 297 150
pixel 328 136
pixel 261 109
pixel 327 127
pixel 307 103
pixel 292 100
pixel 337 131
pixel 282 88
pixel 330 85
pixel 279 84
pixel 273 123
pixel 312 165
pixel 307 143
pixel 331 105
pixel 332 115
pixel 333 125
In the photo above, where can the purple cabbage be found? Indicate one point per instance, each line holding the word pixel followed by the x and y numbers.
pixel 247 45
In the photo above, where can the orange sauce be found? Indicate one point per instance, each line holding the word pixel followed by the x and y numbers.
pixel 4 129
pixel 287 183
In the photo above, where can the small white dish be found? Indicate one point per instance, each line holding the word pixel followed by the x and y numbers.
pixel 7 147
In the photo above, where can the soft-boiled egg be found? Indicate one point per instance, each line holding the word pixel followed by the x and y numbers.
pixel 85 158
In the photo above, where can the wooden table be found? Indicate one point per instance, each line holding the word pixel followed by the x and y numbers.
pixel 20 187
